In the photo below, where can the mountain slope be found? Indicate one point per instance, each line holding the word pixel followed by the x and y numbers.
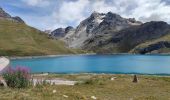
pixel 19 39
pixel 160 45
pixel 125 40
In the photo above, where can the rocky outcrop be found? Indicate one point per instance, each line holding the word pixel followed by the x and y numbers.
pixel 153 47
pixel 68 29
pixel 5 15
pixel 61 32
pixel 47 31
pixel 4 64
pixel 18 19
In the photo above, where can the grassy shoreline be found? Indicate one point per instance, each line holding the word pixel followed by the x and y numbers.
pixel 79 54
pixel 101 86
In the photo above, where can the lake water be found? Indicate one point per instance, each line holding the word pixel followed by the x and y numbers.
pixel 122 64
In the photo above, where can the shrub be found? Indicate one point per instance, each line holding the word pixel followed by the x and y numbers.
pixel 17 77
pixel 92 82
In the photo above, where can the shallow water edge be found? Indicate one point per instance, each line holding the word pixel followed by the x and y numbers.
pixel 47 56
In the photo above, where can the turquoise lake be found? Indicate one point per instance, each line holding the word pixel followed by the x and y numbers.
pixel 116 64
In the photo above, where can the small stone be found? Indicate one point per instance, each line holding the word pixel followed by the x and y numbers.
pixel 65 96
pixel 131 98
pixel 4 83
pixel 54 91
pixel 93 97
pixel 113 78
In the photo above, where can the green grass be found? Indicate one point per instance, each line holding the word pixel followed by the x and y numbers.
pixel 18 39
pixel 100 86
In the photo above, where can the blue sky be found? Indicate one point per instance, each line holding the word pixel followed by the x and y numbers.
pixel 52 14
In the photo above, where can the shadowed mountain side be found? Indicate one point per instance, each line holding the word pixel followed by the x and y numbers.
pixel 125 40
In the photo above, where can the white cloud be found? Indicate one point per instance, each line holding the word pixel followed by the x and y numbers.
pixel 71 12
pixel 39 3
pixel 147 10
pixel 102 7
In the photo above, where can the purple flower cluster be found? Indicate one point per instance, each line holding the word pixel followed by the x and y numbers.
pixel 24 70
pixel 17 77
pixel 19 69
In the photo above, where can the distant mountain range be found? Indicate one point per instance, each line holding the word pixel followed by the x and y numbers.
pixel 19 39
pixel 111 33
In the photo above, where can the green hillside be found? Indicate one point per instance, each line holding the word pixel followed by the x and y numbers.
pixel 146 44
pixel 18 39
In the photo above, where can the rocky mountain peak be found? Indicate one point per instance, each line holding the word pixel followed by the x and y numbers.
pixel 96 15
pixel 91 22
pixel 114 19
pixel 114 22
pixel 97 23
pixel 58 32
pixel 112 16
pixel 133 20
pixel 5 15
